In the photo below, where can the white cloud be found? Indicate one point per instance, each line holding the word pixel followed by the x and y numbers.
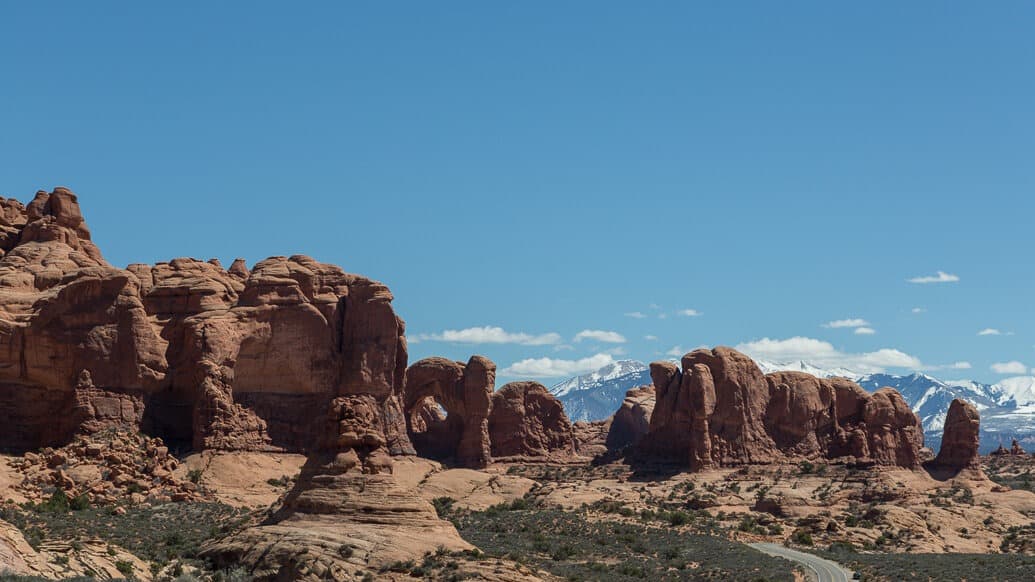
pixel 941 277
pixel 650 338
pixel 688 312
pixel 994 331
pixel 556 368
pixel 918 310
pixel 563 348
pixel 488 335
pixel 852 322
pixel 1011 367
pixel 635 315
pixel 823 353
pixel 676 352
pixel 662 316
pixel 616 351
pixel 953 366
pixel 611 337
pixel 865 331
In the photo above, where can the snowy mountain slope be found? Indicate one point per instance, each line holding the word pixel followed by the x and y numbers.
pixel 598 395
pixel 803 366
pixel 1007 408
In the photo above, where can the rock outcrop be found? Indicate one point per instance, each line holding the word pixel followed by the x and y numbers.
pixel 632 419
pixel 184 350
pixel 215 359
pixel 527 421
pixel 718 409
pixel 1016 448
pixel 107 467
pixel 347 515
pixel 465 392
pixel 961 437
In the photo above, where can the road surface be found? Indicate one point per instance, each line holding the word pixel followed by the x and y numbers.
pixel 825 570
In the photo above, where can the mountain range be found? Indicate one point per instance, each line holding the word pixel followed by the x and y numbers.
pixel 1007 407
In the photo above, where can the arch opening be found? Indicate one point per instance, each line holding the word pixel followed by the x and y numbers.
pixel 434 432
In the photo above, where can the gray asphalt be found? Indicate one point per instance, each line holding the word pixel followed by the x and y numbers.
pixel 825 570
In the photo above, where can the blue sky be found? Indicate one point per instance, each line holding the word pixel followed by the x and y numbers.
pixel 554 168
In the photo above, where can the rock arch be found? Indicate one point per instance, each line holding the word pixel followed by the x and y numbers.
pixel 465 392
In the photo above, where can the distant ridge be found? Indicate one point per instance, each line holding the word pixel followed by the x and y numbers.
pixel 1007 408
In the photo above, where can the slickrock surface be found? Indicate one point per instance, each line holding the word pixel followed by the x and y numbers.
pixel 718 409
pixel 347 514
pixel 529 422
pixel 59 560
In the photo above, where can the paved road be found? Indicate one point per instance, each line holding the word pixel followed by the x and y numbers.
pixel 825 570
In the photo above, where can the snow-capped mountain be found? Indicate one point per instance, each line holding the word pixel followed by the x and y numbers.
pixel 808 368
pixel 598 394
pixel 1007 408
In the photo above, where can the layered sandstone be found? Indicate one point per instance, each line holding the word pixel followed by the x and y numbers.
pixel 184 350
pixel 717 408
pixel 207 358
pixel 347 515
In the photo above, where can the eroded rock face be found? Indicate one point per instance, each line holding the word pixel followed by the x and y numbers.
pixel 527 421
pixel 347 515
pixel 961 437
pixel 465 392
pixel 718 409
pixel 632 420
pixel 184 350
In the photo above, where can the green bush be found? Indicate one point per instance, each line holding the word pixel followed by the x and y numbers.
pixel 194 475
pixel 58 503
pixel 443 505
pixel 802 537
pixel 79 502
pixel 124 567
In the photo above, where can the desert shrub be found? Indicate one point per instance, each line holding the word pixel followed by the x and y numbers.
pixel 124 567
pixel 443 505
pixel 802 536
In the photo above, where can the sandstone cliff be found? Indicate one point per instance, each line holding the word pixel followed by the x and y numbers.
pixel 184 350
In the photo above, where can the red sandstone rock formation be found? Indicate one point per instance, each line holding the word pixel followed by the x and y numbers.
pixel 632 420
pixel 465 392
pixel 346 503
pixel 527 421
pixel 1016 448
pixel 718 409
pixel 185 350
pixel 961 437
